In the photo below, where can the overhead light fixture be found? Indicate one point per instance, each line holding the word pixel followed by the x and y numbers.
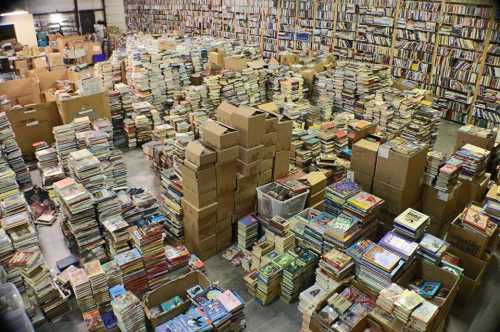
pixel 15 12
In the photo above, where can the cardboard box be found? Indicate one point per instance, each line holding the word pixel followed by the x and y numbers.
pixel 270 139
pixel 21 66
pixel 269 108
pixel 249 155
pixel 314 199
pixel 225 177
pixel 265 177
pixel 194 213
pixel 176 287
pixel 285 126
pixel 422 270
pixel 223 224
pixel 216 57
pixel 199 229
pixel 24 91
pixel 248 169
pixel 365 181
pixel 198 199
pixel 56 59
pixel 441 207
pixel 227 155
pixel 468 241
pixel 474 269
pixel 315 180
pixel 266 164
pixel 199 154
pixel 473 191
pixel 205 248
pixel 251 123
pixel 399 170
pixel 235 63
pixel 281 161
pixel 218 135
pixel 364 157
pixel 225 205
pixel 94 106
pixel 201 180
pixel 268 152
pixel 245 195
pixel 32 124
pixel 466 138
pixel 396 200
pixel 47 78
pixel 224 112
pixel 39 62
pixel 243 182
pixel 224 239
pixel 271 122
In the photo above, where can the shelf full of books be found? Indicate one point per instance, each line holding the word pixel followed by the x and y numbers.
pixel 344 39
pixel 323 25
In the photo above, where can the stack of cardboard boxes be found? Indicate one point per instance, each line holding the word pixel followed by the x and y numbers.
pixel 224 140
pixel 269 148
pixel 283 145
pixel 317 188
pixel 364 162
pixel 199 200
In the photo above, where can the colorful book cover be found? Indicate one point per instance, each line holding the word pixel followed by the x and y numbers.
pixel 381 257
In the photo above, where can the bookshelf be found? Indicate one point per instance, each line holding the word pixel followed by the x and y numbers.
pixel 449 46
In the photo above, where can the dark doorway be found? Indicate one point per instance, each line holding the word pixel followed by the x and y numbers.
pixel 87 21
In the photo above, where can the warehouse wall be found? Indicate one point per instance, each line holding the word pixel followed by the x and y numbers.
pixel 44 6
pixel 115 13
pixel 23 24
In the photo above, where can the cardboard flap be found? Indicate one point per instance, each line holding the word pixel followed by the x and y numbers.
pixel 248 111
pixel 226 107
pixel 196 148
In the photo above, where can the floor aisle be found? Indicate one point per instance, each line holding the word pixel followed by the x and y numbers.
pixel 277 317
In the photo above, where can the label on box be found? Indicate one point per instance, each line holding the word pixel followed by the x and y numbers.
pixel 383 151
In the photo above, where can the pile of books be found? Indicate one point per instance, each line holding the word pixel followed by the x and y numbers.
pixel 87 170
pixel 399 244
pixel 66 142
pixel 132 268
pixel 363 207
pixel 93 321
pixel 298 274
pixel 49 167
pixel 99 144
pixel 432 248
pixel 107 204
pixel 447 178
pixel 116 234
pixel 149 241
pixel 117 115
pixel 170 203
pixel 177 257
pixel 435 160
pixel 376 266
pixel 268 283
pixel 80 283
pixel 411 223
pixel 248 228
pixel 119 170
pixel 474 220
pixel 337 195
pixel 8 183
pixel 130 133
pixel 98 282
pixel 342 232
pixel 78 208
pixel 473 161
pixel 19 228
pixel 129 312
pixel 491 205
pixel 336 264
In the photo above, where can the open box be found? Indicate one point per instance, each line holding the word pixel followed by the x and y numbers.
pixel 421 269
pixel 177 287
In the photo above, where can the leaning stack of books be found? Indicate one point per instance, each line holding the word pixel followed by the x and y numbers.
pixel 411 223
pixel 98 282
pixel 336 264
pixel 337 195
pixel 116 234
pixel 82 289
pixel 247 231
pixel 129 312
pixel 447 177
pixel 432 248
pixel 133 274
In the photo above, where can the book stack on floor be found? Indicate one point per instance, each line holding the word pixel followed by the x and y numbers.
pixel 248 228
pixel 66 143
pixel 337 195
pixel 93 321
pixel 12 153
pixel 298 274
pixel 87 170
pixel 133 274
pixel 432 248
pixel 117 115
pixel 129 312
pixel 376 266
pixel 224 142
pixel 336 265
pixel 116 234
pixel 82 228
pixel 268 283
pixel 48 165
pixel 472 159
pixel 19 228
pixel 447 178
pixel 171 204
pixel 6 253
pixel 97 142
pixel 400 245
pixel 199 200
pixel 435 160
pixel 130 133
pixel 98 282
pixel 143 121
pixel 149 241
pixel 309 301
pixel 113 273
pixel 80 283
pixel 119 170
pixel 176 257
pixel 107 204
pixel 411 223
pixel 8 184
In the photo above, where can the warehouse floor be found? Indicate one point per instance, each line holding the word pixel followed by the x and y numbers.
pixel 480 315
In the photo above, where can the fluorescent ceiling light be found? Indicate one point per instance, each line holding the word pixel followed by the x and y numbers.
pixel 16 12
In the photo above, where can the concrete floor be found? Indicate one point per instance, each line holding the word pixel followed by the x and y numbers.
pixel 480 315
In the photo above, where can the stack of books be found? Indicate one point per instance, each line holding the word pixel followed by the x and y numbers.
pixel 400 245
pixel 336 264
pixel 119 170
pixel 248 228
pixel 8 184
pixel 432 248
pixel 113 273
pixel 48 165
pixel 405 304
pixel 98 282
pixel 491 205
pixel 149 241
pixel 93 321
pixel 129 312
pixel 132 268
pixel 66 143
pixel 170 203
pixel 107 204
pixel 298 274
pixel 473 161
pixel 177 257
pixel 86 169
pixel 268 283
pixel 130 133
pixel 411 223
pixel 117 115
pixel 82 289
pixel 363 207
pixel 435 160
pixel 116 234
pixel 313 236
pixel 99 144
pixel 447 177
pixel 337 195
pixel 19 228
pixel 342 232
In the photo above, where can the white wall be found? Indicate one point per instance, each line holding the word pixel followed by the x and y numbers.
pixel 51 6
pixel 25 28
pixel 115 14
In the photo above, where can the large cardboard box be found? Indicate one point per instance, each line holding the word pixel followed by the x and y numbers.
pixel 280 167
pixel 94 106
pixel 32 124
pixel 441 207
pixel 468 241
pixel 271 122
pixel 23 91
pixel 225 206
pixel 250 155
pixel 473 190
pixel 47 78
pixel 244 182
pixel 198 199
pixel 364 157
pixel 227 155
pixel 176 287
pixel 201 180
pixel 224 239
pixel 266 164
pixel 225 177
pixel 224 112
pixel 316 181
pixel 56 60
pixel 40 62
pixel 235 63
pixel 399 170
pixel 204 248
pixel 285 126
pixel 365 181
pixel 218 135
pixel 223 224
pixel 265 177
pixel 474 269
pixel 270 139
pixel 396 200
pixel 199 154
pixel 248 169
pixel 268 152
pixel 251 123
pixel 422 270
pixel 464 137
